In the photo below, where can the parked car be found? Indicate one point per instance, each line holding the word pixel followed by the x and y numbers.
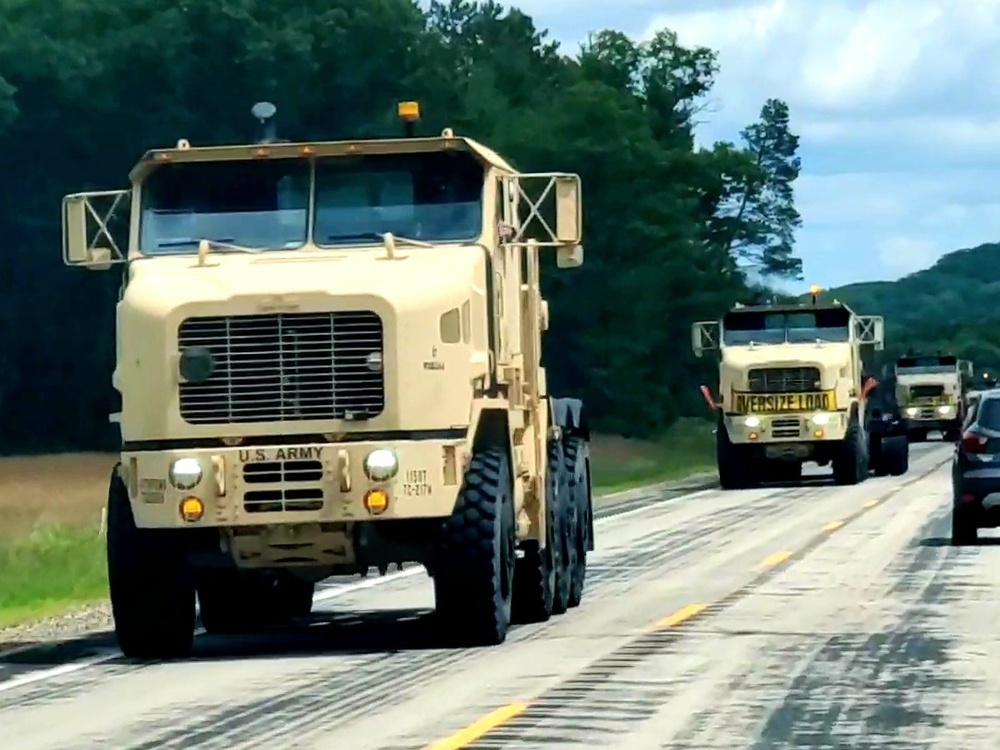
pixel 976 471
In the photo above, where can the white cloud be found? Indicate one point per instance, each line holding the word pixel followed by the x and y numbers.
pixel 904 255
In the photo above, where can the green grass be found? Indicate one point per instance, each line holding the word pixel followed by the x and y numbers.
pixel 52 562
pixel 620 464
pixel 50 570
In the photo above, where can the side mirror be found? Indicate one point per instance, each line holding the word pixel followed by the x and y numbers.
pixel 704 337
pixel 569 257
pixel 569 210
pixel 77 214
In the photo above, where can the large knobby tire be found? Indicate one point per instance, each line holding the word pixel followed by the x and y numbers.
pixel 736 470
pixel 562 517
pixel 541 577
pixel 474 568
pixel 877 458
pixel 850 464
pixel 575 455
pixel 150 584
pixel 896 455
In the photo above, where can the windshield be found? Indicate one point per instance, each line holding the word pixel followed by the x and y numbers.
pixel 424 196
pixel 743 328
pixel 926 365
pixel 258 204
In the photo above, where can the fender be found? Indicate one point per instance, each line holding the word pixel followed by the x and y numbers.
pixel 571 416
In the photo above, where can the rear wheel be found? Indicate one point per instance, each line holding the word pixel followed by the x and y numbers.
pixel 575 452
pixel 150 584
pixel 896 452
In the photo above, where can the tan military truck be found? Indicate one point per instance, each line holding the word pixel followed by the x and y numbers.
pixel 328 355
pixel 931 392
pixel 791 390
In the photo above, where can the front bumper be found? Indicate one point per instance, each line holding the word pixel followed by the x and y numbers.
pixel 760 429
pixel 278 484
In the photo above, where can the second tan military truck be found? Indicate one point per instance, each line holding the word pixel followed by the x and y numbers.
pixel 792 388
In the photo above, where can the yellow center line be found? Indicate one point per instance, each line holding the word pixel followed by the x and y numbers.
pixel 682 615
pixel 502 715
pixel 833 525
pixel 478 728
pixel 776 559
pixel 871 503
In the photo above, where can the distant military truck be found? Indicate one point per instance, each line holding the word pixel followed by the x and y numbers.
pixel 931 392
pixel 791 390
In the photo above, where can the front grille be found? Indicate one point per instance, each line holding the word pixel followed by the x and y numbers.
pixel 928 413
pixel 786 427
pixel 926 391
pixel 784 380
pixel 286 367
pixel 306 492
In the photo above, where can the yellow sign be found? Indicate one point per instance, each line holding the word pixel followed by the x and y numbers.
pixel 784 403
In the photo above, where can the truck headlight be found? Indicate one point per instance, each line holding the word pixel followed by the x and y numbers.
pixel 381 465
pixel 185 473
pixel 944 409
pixel 821 418
pixel 751 422
pixel 912 411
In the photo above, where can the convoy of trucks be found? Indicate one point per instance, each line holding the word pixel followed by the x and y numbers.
pixel 329 360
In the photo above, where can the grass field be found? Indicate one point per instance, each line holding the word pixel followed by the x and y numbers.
pixel 52 556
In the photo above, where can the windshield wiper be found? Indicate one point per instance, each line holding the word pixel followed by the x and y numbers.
pixel 378 237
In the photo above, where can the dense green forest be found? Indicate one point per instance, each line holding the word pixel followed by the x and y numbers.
pixel 87 85
pixel 950 306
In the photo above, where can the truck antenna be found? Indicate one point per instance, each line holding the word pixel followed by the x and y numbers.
pixel 264 111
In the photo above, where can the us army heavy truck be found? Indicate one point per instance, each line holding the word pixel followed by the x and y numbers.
pixel 328 355
pixel 931 391
pixel 791 390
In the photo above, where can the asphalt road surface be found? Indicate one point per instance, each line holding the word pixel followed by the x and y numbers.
pixel 787 617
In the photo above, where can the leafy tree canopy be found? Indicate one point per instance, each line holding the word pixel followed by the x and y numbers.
pixel 670 228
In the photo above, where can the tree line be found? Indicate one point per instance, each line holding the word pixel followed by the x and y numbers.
pixel 670 229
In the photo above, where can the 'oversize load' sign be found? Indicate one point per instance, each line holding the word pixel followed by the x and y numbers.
pixel 784 403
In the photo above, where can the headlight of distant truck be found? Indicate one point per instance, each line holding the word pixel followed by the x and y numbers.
pixel 381 465
pixel 751 422
pixel 821 418
pixel 944 409
pixel 912 411
pixel 185 473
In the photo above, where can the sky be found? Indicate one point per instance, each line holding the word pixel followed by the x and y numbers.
pixel 896 102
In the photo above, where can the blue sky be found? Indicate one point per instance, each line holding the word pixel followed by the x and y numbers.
pixel 897 103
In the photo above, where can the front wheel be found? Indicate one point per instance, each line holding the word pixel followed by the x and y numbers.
pixel 474 570
pixel 850 463
pixel 579 492
pixel 150 584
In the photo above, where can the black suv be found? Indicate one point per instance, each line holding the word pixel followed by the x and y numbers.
pixel 976 471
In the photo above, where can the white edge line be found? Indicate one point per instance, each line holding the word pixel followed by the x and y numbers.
pixel 320 596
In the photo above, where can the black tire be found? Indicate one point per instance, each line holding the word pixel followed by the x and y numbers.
pixel 150 584
pixel 952 436
pixel 562 516
pixel 474 568
pixel 296 596
pixel 850 463
pixel 877 458
pixel 575 451
pixel 963 528
pixel 896 452
pixel 540 572
pixel 736 470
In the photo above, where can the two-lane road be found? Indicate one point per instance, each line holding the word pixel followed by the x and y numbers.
pixel 806 617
